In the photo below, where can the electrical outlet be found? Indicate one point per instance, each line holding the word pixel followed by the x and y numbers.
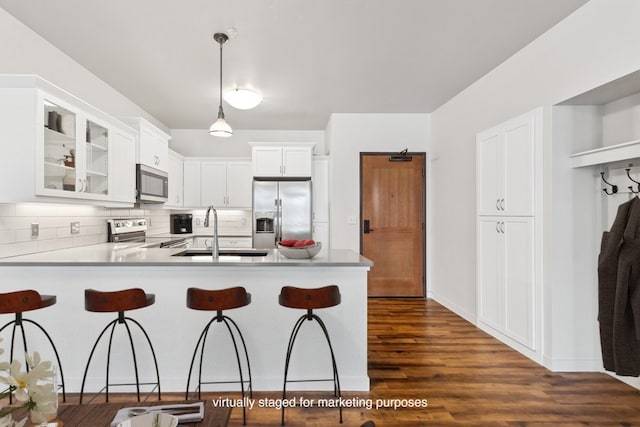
pixel 35 229
pixel 75 227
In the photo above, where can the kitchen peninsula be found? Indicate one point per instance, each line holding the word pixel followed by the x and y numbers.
pixel 174 329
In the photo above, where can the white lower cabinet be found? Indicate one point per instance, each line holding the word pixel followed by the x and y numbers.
pixel 506 280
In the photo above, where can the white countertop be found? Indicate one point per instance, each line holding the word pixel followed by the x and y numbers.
pixel 117 254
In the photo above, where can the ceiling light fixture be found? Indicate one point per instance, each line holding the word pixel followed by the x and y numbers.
pixel 243 98
pixel 220 127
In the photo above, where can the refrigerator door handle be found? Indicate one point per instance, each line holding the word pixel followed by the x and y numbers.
pixel 279 220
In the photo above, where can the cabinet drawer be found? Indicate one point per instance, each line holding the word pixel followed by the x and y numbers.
pixel 224 242
pixel 235 242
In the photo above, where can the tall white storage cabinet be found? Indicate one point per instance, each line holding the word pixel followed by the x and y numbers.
pixel 509 184
pixel 320 186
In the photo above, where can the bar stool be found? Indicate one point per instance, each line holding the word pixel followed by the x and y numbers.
pixel 19 302
pixel 219 300
pixel 119 302
pixel 310 299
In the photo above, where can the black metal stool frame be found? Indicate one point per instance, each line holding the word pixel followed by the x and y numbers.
pixel 122 319
pixel 200 345
pixel 336 380
pixel 18 322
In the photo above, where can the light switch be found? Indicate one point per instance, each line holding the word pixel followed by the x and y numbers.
pixel 35 229
pixel 75 227
pixel 352 219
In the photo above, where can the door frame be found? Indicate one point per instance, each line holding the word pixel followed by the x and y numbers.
pixel 425 226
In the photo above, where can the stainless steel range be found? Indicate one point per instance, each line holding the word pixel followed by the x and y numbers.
pixel 127 230
pixel 135 230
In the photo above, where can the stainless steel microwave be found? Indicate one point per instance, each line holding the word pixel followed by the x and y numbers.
pixel 152 185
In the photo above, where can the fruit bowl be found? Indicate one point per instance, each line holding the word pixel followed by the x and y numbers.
pixel 304 252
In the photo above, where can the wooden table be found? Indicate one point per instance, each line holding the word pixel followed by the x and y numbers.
pixel 101 414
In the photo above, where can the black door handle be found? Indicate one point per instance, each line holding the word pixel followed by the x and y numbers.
pixel 365 227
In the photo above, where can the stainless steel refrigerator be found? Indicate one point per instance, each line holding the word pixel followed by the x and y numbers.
pixel 281 210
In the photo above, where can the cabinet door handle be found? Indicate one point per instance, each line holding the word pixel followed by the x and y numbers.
pixel 497 204
pixel 497 226
pixel 502 227
pixel 502 204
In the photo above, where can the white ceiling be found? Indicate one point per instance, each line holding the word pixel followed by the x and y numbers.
pixel 310 58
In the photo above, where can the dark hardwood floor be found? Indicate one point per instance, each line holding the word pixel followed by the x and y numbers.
pixel 420 350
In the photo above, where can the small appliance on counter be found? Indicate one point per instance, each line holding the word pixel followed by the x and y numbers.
pixel 181 223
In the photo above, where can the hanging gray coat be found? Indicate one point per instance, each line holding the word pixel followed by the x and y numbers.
pixel 608 280
pixel 626 313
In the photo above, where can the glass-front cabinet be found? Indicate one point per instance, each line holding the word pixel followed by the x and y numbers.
pixel 76 153
pixel 62 147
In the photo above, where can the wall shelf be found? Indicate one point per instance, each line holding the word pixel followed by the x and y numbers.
pixel 605 155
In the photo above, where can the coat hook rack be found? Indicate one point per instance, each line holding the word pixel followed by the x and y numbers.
pixel 632 180
pixel 614 188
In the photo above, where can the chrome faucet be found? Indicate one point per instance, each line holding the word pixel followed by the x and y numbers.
pixel 215 248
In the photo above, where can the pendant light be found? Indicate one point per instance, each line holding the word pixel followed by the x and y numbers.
pixel 220 127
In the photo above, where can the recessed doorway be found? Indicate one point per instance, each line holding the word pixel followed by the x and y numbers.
pixel 392 229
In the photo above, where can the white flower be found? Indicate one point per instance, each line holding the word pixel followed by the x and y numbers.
pixel 7 421
pixel 26 381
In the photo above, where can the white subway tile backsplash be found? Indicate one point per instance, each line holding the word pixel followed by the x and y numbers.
pixel 55 226
pixel 7 210
pixel 7 236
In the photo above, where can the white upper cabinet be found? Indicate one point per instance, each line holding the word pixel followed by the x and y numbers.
pixel 276 160
pixel 61 147
pixel 217 182
pixel 176 180
pixel 239 184
pixel 153 143
pixel 320 184
pixel 191 182
pixel 506 166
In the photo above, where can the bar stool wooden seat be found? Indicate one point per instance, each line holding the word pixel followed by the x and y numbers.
pixel 17 303
pixel 218 301
pixel 310 299
pixel 119 302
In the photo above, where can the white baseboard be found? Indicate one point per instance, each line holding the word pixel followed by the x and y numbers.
pixel 469 317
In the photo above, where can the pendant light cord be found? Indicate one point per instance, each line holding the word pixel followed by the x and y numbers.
pixel 220 111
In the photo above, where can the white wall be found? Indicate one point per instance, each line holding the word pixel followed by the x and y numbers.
pixel 351 134
pixel 198 142
pixel 25 52
pixel 596 44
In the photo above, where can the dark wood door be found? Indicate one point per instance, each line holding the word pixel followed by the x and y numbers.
pixel 392 232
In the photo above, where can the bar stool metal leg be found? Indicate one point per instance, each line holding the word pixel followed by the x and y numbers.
pixel 294 333
pixel 112 325
pixel 18 322
pixel 200 346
